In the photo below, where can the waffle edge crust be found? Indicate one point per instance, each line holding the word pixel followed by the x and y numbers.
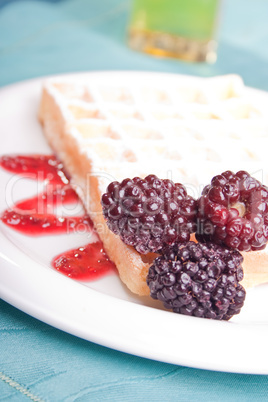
pixel 82 128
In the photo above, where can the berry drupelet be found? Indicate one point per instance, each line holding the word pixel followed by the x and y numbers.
pixel 149 213
pixel 198 279
pixel 233 211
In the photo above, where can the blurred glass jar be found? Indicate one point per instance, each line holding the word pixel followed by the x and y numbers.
pixel 182 29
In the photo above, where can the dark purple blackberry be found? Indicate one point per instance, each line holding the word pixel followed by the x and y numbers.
pixel 149 213
pixel 233 211
pixel 198 279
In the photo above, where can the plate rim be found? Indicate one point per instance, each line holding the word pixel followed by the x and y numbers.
pixel 122 338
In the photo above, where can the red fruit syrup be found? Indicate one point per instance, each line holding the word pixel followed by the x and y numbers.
pixel 84 263
pixel 35 216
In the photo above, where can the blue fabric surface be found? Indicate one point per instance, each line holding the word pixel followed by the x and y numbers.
pixel 37 38
pixel 55 366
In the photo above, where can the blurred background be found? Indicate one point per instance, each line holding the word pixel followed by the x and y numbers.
pixel 42 37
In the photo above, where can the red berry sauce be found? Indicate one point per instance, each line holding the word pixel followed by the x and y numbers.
pixel 35 216
pixel 38 167
pixel 49 199
pixel 43 224
pixel 84 263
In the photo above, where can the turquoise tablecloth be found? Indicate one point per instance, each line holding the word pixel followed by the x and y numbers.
pixel 38 362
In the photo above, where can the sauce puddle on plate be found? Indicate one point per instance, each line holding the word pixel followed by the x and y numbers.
pixel 35 216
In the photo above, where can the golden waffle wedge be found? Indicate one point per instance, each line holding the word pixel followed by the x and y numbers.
pixel 107 127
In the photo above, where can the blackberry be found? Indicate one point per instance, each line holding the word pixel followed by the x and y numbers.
pixel 198 279
pixel 149 213
pixel 233 211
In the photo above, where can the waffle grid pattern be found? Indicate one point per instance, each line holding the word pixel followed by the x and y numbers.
pixel 186 130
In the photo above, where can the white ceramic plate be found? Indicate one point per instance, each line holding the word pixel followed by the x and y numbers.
pixel 104 311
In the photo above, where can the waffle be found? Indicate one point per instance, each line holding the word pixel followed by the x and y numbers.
pixel 106 127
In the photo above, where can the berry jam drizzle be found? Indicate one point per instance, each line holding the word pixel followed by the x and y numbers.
pixel 40 224
pixel 47 200
pixel 38 167
pixel 35 216
pixel 84 263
